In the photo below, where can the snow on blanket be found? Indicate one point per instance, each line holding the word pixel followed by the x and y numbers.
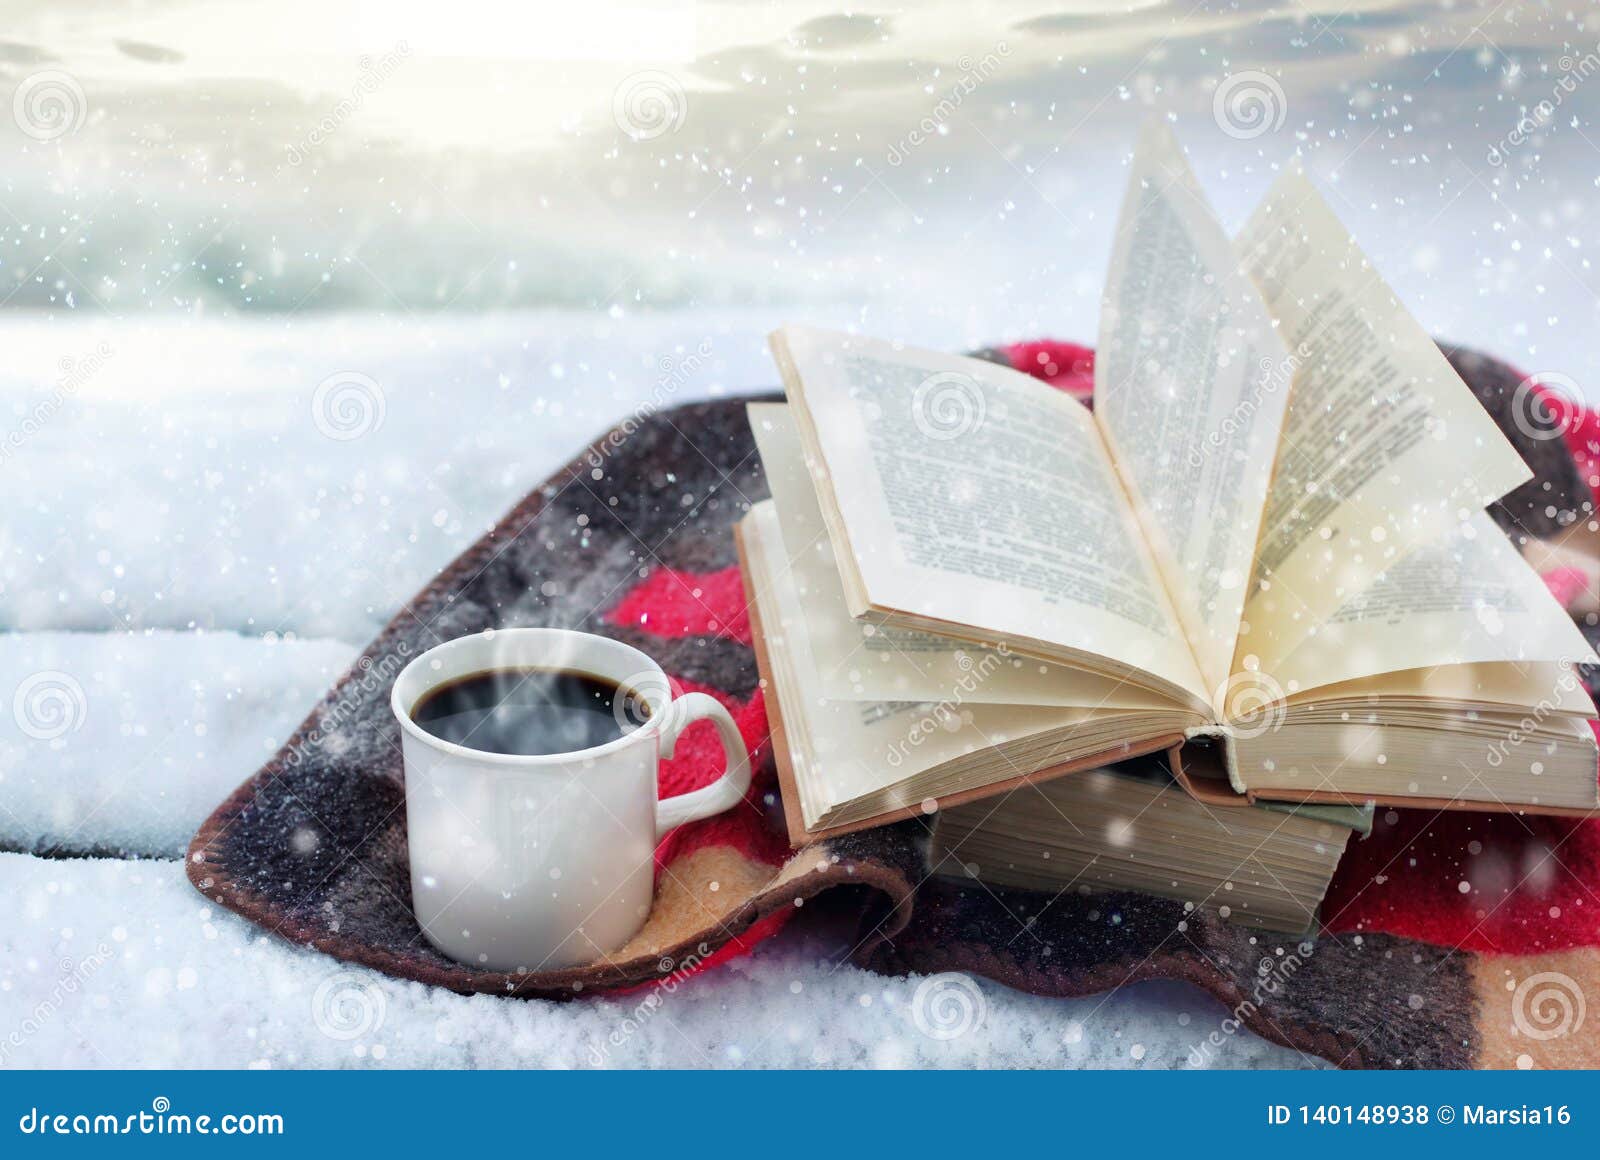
pixel 108 963
pixel 123 743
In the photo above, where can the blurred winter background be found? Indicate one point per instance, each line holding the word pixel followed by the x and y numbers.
pixel 297 297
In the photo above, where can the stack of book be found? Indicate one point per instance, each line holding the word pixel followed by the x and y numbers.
pixel 1131 827
pixel 1262 557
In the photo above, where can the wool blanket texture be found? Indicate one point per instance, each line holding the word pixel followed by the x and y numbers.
pixel 1449 939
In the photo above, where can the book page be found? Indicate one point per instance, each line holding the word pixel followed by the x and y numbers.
pixel 967 494
pixel 871 757
pixel 858 661
pixel 1383 448
pixel 1466 599
pixel 1190 386
pixel 1545 686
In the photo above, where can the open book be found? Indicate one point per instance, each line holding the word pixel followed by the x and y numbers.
pixel 1270 532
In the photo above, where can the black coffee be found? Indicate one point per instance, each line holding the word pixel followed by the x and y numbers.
pixel 530 711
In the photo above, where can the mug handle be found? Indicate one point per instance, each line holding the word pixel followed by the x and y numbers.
pixel 724 793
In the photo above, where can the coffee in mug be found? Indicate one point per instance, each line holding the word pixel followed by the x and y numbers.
pixel 531 806
pixel 530 711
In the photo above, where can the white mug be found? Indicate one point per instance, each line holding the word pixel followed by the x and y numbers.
pixel 533 863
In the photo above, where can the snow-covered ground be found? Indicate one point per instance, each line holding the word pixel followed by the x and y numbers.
pixel 193 558
pixel 122 964
pixel 155 728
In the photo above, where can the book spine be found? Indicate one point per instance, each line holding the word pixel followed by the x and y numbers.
pixel 1223 735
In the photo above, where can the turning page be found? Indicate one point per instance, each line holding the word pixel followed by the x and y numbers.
pixel 978 501
pixel 1468 598
pixel 1383 448
pixel 1190 385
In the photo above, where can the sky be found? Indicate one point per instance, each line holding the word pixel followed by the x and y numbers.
pixel 237 156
